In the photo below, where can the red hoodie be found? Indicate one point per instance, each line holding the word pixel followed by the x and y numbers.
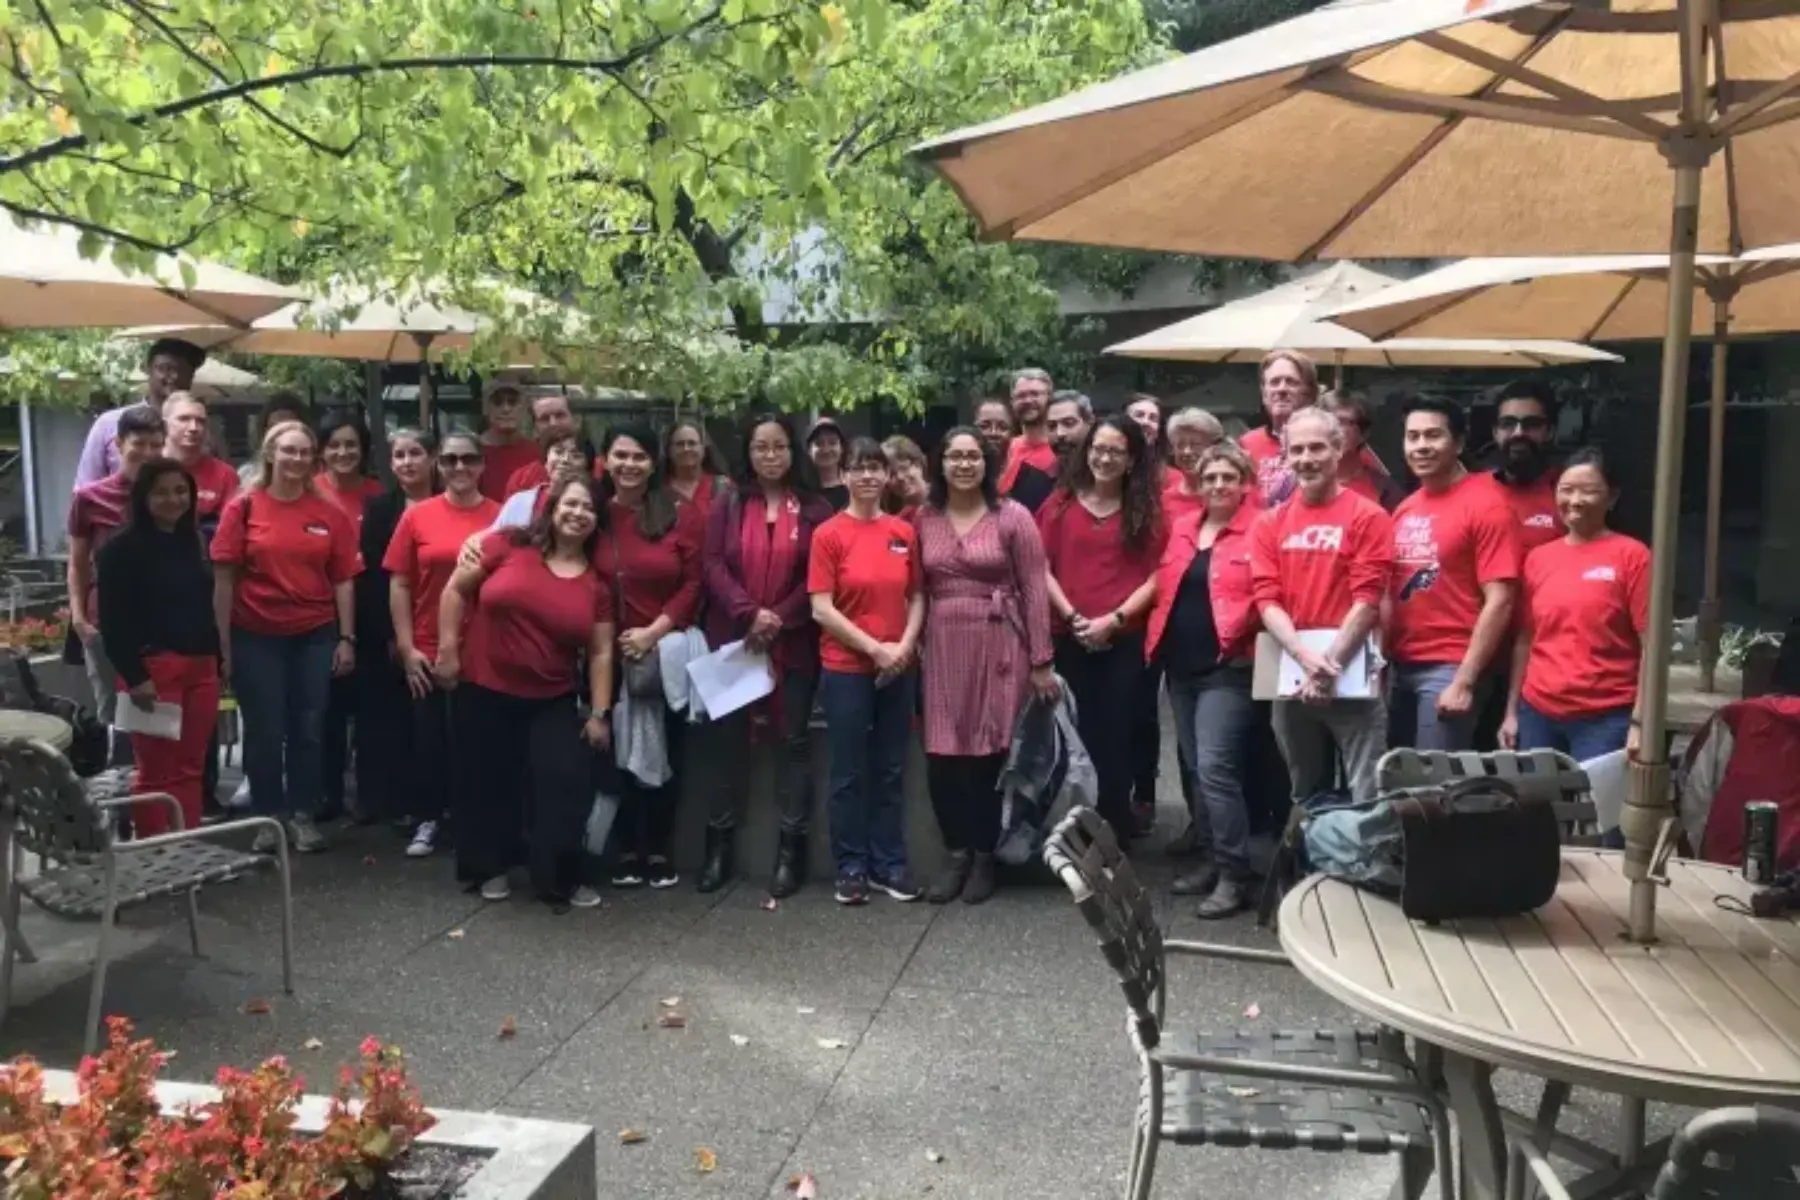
pixel 1316 560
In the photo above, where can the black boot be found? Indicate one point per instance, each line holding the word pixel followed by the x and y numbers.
pixel 717 871
pixel 980 885
pixel 949 885
pixel 790 866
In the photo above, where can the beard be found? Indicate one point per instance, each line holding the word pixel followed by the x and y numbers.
pixel 1523 461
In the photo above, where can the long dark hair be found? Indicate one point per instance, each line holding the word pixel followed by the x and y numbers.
pixel 338 419
pixel 990 475
pixel 657 516
pixel 1140 492
pixel 141 521
pixel 799 478
pixel 711 462
pixel 540 534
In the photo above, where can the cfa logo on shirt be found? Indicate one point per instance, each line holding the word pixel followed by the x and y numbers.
pixel 896 545
pixel 1600 575
pixel 1539 521
pixel 318 530
pixel 208 495
pixel 1326 538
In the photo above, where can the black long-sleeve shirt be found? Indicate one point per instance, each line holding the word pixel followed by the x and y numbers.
pixel 156 596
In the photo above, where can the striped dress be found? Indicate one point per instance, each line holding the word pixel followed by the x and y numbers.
pixel 987 620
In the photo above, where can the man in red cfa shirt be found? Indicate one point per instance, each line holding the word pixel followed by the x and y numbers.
pixel 1456 576
pixel 1322 562
pixel 215 481
pixel 551 417
pixel 1031 467
pixel 1523 431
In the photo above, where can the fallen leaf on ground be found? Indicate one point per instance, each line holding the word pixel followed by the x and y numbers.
pixel 932 1156
pixel 671 1020
pixel 256 1007
pixel 806 1012
pixel 313 1044
pixel 631 1137
pixel 509 1028
pixel 807 1188
pixel 1254 1011
pixel 455 933
pixel 771 904
pixel 738 1039
pixel 705 1160
pixel 833 1044
pixel 368 860
pixel 1243 1093
pixel 670 1002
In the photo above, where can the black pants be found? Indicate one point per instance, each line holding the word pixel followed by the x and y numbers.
pixel 338 712
pixel 965 796
pixel 647 814
pixel 437 758
pixel 1105 684
pixel 523 790
pixel 384 741
pixel 726 757
pixel 1146 738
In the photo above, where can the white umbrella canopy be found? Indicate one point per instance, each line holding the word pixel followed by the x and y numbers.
pixel 45 283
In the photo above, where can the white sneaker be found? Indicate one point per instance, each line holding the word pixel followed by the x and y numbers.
pixel 266 840
pixel 241 797
pixel 585 897
pixel 305 836
pixel 497 888
pixel 424 840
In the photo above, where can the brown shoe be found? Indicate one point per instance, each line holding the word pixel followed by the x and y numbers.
pixel 981 880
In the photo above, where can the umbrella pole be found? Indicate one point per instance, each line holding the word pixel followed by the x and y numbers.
pixel 1710 627
pixel 1337 370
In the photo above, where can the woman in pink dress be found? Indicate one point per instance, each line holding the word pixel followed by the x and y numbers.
pixel 987 650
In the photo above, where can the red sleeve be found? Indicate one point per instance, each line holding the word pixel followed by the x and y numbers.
pixel 721 585
pixel 234 527
pixel 1522 621
pixel 229 483
pixel 822 563
pixel 688 535
pixel 1637 588
pixel 496 547
pixel 1009 473
pixel 1265 562
pixel 346 556
pixel 80 522
pixel 1497 554
pixel 1027 551
pixel 402 552
pixel 1372 558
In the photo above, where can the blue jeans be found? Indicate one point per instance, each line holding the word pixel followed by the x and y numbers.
pixel 283 685
pixel 1213 716
pixel 867 729
pixel 1582 738
pixel 1413 718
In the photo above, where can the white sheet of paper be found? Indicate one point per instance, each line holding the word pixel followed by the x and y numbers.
pixel 1353 684
pixel 731 677
pixel 162 721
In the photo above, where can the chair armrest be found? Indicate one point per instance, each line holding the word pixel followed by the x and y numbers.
pixel 163 798
pixel 1256 1068
pixel 207 831
pixel 1549 1186
pixel 1220 950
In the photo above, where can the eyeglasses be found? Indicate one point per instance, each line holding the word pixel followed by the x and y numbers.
pixel 460 460
pixel 1527 424
pixel 769 449
pixel 1108 453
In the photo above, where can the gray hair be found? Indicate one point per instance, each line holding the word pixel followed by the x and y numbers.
pixel 1199 421
pixel 1334 428
pixel 1034 374
pixel 1079 399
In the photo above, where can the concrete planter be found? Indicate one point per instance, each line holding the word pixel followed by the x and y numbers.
pixel 527 1160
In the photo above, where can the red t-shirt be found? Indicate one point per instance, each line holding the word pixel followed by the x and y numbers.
pixel 98 510
pixel 424 548
pixel 352 499
pixel 870 569
pixel 1089 558
pixel 532 474
pixel 531 624
pixel 1534 509
pixel 1178 502
pixel 656 578
pixel 1267 458
pixel 290 555
pixel 1446 546
pixel 215 483
pixel 499 460
pixel 1315 561
pixel 1021 452
pixel 1586 607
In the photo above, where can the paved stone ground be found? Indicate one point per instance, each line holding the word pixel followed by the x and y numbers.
pixel 992 1036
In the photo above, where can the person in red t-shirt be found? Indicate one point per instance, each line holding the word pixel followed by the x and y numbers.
pixel 551 419
pixel 1524 428
pixel 1031 467
pixel 567 455
pixel 1355 415
pixel 504 447
pixel 863 577
pixel 344 453
pixel 692 469
pixel 1581 643
pixel 215 480
pixel 1456 575
pixel 1290 382
pixel 1192 432
pixel 420 560
pixel 1321 562
pixel 97 511
pixel 1103 535
pixel 649 551
pixel 284 560
pixel 513 667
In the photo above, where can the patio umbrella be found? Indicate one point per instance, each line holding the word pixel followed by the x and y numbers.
pixel 1286 317
pixel 1604 299
pixel 45 283
pixel 1420 128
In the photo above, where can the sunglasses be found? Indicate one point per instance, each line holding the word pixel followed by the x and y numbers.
pixel 460 460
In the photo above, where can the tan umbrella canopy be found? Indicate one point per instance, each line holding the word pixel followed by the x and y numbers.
pixel 45 283
pixel 1425 128
pixel 1606 298
pixel 1286 317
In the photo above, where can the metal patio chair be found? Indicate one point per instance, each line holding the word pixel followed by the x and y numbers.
pixel 87 872
pixel 1725 1154
pixel 1340 1090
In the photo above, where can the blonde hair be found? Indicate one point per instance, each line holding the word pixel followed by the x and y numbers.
pixel 266 472
pixel 1309 370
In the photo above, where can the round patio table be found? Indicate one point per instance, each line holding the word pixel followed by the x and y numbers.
pixel 19 723
pixel 1709 1015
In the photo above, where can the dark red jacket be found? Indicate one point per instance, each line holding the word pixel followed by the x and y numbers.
pixel 1233 591
pixel 729 609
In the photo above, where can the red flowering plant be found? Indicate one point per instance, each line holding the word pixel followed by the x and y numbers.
pixel 113 1143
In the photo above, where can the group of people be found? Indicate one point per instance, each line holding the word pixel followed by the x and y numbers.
pixel 502 630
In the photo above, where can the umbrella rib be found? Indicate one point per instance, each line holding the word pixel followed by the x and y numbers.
pixel 1593 331
pixel 1518 72
pixel 1513 110
pixel 1736 120
pixel 1734 241
pixel 222 317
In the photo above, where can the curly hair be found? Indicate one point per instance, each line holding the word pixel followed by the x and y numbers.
pixel 1140 491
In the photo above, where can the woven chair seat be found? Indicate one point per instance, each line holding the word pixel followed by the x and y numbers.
pixel 79 889
pixel 111 784
pixel 1209 1109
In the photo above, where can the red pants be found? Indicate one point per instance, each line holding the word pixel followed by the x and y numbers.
pixel 177 767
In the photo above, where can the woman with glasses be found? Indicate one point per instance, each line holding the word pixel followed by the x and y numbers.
pixel 1191 432
pixel 567 455
pixel 1103 535
pixel 987 650
pixel 1202 631
pixel 420 561
pixel 758 546
pixel 1354 472
pixel 284 558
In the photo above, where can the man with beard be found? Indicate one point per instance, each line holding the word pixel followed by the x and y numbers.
pixel 1523 431
pixel 1322 561
pixel 1031 469
pixel 1069 417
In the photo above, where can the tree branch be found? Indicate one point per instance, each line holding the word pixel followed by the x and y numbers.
pixel 54 218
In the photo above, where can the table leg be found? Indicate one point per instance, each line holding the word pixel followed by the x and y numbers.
pixel 7 865
pixel 1478 1126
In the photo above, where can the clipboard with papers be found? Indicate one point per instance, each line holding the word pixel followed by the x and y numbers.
pixel 1279 676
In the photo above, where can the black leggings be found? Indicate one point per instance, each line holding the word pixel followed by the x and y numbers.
pixel 1105 684
pixel 647 814
pixel 385 762
pixel 966 798
pixel 437 759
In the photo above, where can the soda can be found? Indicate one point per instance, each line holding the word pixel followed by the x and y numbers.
pixel 1762 827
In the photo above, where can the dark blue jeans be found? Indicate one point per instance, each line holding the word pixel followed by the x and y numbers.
pixel 1582 738
pixel 282 686
pixel 867 729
